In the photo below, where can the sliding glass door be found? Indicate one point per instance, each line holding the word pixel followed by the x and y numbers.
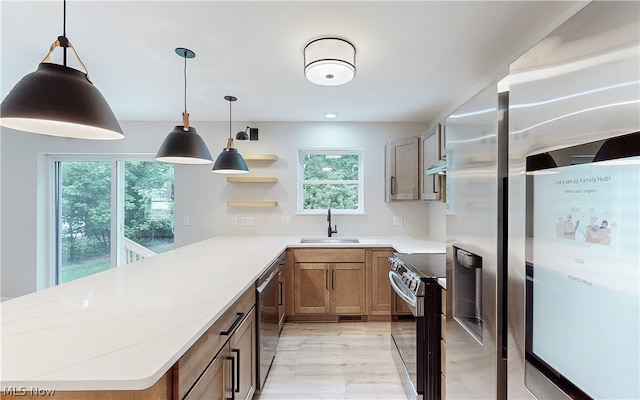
pixel 109 213
pixel 83 218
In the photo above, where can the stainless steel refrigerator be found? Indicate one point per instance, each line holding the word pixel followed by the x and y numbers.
pixel 509 332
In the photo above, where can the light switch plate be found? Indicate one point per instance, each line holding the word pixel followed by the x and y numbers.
pixel 247 221
pixel 286 220
pixel 397 220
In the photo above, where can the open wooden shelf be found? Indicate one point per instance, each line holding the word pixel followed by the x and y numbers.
pixel 251 179
pixel 260 157
pixel 252 203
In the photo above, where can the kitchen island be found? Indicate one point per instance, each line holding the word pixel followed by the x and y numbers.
pixel 124 329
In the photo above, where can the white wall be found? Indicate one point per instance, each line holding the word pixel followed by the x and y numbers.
pixel 202 195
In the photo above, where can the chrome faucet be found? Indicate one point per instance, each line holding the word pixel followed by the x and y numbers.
pixel 329 230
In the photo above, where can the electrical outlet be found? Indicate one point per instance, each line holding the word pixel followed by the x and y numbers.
pixel 247 221
pixel 234 220
pixel 185 221
pixel 286 220
pixel 397 220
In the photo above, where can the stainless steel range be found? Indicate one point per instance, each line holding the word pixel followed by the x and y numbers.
pixel 415 321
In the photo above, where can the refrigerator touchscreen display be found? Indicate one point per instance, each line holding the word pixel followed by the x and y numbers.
pixel 583 271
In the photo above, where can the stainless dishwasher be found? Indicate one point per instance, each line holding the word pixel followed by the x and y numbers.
pixel 269 297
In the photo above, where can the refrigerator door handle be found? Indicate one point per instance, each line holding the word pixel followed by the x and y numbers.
pixel 503 266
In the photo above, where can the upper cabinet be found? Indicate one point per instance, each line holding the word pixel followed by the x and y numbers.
pixel 415 167
pixel 401 170
pixel 431 182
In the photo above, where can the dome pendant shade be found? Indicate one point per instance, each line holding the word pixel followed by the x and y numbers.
pixel 230 162
pixel 184 147
pixel 329 61
pixel 57 100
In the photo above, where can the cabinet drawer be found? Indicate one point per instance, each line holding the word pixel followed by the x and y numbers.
pixel 329 255
pixel 443 327
pixel 191 365
pixel 444 302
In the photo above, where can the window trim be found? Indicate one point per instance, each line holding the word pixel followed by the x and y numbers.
pixel 299 180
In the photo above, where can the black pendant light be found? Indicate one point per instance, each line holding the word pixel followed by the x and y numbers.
pixel 183 145
pixel 57 100
pixel 230 161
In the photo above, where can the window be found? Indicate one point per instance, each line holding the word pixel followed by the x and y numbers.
pixel 330 179
pixel 109 211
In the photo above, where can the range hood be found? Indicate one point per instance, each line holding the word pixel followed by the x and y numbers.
pixel 439 168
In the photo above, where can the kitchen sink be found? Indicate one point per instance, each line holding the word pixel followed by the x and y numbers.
pixel 329 240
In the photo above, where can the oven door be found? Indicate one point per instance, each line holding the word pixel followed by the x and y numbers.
pixel 406 335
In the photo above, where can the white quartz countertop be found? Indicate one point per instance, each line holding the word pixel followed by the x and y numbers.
pixel 124 328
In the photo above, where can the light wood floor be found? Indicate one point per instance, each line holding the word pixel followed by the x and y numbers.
pixel 346 360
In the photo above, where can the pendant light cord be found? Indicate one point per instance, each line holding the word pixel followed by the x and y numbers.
pixel 185 84
pixel 230 119
pixel 64 33
pixel 64 18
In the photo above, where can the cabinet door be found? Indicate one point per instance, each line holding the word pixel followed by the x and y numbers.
pixel 311 288
pixel 402 169
pixel 380 289
pixel 431 146
pixel 243 349
pixel 348 288
pixel 215 382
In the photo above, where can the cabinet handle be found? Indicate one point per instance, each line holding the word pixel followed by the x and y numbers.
pixel 433 176
pixel 233 326
pixel 280 297
pixel 391 185
pixel 283 262
pixel 233 377
pixel 237 351
pixel 326 279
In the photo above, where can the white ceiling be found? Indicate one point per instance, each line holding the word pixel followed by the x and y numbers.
pixel 414 59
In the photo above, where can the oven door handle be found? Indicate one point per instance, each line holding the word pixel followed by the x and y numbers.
pixel 393 276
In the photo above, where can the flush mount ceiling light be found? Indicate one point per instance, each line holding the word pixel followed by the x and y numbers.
pixel 57 100
pixel 329 61
pixel 183 145
pixel 230 161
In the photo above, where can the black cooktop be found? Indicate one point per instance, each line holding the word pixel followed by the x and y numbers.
pixel 427 265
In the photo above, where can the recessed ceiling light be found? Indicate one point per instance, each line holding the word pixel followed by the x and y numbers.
pixel 331 115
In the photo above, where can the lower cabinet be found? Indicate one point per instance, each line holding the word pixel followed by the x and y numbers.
pixel 335 288
pixel 212 384
pixel 231 374
pixel 378 276
pixel 329 282
pixel 243 349
pixel 222 363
